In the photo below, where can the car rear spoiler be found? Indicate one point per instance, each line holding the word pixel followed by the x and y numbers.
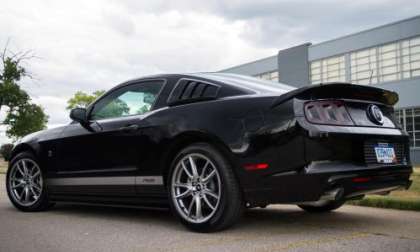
pixel 340 91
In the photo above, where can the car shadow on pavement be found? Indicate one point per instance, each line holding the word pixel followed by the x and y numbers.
pixel 144 215
pixel 253 219
pixel 293 218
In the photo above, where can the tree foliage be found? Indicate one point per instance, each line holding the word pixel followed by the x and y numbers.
pixel 11 95
pixel 115 108
pixel 22 116
pixel 24 120
pixel 82 99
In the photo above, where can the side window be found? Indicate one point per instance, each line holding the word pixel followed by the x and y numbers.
pixel 135 99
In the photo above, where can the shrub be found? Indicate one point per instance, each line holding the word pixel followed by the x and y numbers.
pixel 6 150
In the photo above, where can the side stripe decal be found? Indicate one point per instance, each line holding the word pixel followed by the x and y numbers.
pixel 91 181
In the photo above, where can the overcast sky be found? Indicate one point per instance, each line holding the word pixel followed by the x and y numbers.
pixel 91 45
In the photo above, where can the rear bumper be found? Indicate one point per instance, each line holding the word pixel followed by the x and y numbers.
pixel 309 161
pixel 321 179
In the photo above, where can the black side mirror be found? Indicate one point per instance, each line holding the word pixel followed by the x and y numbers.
pixel 79 115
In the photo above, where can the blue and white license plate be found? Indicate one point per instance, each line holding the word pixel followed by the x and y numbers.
pixel 385 153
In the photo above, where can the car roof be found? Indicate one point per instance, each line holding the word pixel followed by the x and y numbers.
pixel 256 85
pixel 238 81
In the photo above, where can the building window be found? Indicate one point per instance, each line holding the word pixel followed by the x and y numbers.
pixel 363 67
pixel 410 121
pixel 411 58
pixel 328 70
pixel 273 76
pixel 390 62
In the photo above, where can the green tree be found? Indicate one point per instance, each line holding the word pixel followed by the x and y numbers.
pixel 143 109
pixel 11 95
pixel 148 100
pixel 115 108
pixel 82 99
pixel 22 116
pixel 24 120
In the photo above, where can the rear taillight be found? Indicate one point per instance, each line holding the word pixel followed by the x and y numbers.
pixel 332 112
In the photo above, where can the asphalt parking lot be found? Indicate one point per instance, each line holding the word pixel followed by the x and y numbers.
pixel 276 228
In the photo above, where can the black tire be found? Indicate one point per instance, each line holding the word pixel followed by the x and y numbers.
pixel 42 202
pixel 230 206
pixel 326 207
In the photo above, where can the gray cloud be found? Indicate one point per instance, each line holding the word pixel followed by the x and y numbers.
pixel 275 23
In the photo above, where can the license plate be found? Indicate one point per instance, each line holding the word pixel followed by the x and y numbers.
pixel 385 153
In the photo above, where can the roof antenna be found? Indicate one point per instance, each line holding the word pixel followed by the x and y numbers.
pixel 370 77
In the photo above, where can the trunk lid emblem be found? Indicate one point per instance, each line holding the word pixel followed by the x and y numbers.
pixel 375 114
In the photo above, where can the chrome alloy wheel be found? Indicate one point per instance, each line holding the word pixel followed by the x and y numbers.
pixel 196 188
pixel 25 182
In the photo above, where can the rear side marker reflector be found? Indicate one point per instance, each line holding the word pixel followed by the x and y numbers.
pixel 361 180
pixel 253 167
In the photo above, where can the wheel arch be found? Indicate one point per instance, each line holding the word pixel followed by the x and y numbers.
pixel 22 147
pixel 187 138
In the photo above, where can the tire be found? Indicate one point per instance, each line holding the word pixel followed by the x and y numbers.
pixel 214 188
pixel 25 184
pixel 327 206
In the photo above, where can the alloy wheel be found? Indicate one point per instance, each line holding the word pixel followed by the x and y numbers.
pixel 196 188
pixel 25 182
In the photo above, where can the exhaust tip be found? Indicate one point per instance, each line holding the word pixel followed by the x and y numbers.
pixel 333 195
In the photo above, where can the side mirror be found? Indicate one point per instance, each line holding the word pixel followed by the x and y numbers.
pixel 79 115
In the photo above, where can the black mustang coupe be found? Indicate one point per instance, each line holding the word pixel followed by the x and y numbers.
pixel 212 144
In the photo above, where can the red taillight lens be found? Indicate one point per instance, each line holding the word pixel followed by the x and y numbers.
pixel 330 112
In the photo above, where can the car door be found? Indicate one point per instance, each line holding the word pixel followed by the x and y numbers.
pixel 105 156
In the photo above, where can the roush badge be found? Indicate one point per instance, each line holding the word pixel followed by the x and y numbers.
pixel 375 114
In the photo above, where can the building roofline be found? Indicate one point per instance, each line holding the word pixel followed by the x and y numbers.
pixel 365 31
pixel 286 49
